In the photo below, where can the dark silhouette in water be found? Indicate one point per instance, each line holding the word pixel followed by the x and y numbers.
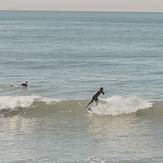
pixel 95 97
pixel 24 85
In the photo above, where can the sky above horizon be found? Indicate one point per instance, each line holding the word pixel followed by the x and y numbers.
pixel 83 5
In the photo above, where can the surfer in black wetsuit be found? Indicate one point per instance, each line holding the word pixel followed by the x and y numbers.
pixel 24 85
pixel 95 97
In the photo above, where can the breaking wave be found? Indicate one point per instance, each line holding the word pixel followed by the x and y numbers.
pixel 114 105
pixel 117 105
pixel 13 102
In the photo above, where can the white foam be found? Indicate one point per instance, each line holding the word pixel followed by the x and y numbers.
pixel 12 102
pixel 117 105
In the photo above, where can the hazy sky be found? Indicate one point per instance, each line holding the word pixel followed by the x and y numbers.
pixel 85 5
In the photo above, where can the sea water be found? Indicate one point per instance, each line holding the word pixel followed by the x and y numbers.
pixel 66 57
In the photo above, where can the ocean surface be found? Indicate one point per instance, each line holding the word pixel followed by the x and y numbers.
pixel 66 57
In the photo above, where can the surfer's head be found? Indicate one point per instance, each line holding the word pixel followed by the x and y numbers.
pixel 101 89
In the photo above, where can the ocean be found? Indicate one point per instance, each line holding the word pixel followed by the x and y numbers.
pixel 66 57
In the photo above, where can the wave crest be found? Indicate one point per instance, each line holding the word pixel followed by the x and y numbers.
pixel 12 102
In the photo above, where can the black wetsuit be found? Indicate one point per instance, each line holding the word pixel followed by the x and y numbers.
pixel 24 85
pixel 95 97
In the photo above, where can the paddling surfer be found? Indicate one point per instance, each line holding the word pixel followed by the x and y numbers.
pixel 24 85
pixel 95 97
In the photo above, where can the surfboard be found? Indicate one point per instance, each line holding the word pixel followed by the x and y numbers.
pixel 86 108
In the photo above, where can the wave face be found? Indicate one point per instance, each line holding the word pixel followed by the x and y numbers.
pixel 114 105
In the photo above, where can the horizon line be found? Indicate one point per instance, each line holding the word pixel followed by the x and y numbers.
pixel 60 10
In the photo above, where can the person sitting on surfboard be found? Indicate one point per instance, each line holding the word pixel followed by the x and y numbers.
pixel 95 97
pixel 24 85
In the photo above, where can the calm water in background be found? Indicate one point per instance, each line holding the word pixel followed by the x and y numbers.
pixel 70 55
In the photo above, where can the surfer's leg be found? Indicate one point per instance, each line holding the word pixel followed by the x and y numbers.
pixel 96 100
pixel 89 103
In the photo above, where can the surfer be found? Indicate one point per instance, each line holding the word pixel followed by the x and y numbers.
pixel 95 97
pixel 24 85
